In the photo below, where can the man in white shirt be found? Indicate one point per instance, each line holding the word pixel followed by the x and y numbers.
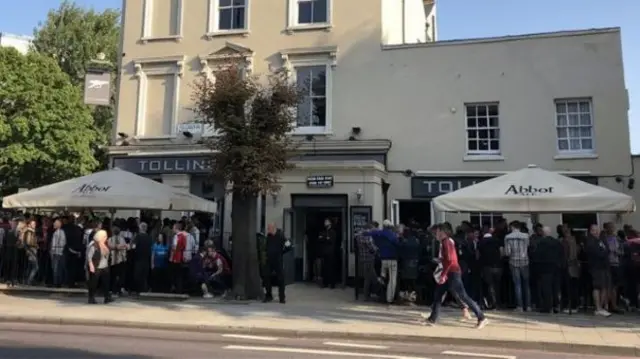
pixel 58 243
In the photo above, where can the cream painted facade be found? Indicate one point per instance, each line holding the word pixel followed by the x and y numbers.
pixel 402 110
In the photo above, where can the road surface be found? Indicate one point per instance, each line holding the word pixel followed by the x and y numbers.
pixel 19 340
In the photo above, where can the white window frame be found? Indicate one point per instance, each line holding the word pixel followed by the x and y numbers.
pixel 291 64
pixel 568 126
pixel 489 151
pixel 492 216
pixel 142 75
pixel 147 23
pixel 293 24
pixel 213 24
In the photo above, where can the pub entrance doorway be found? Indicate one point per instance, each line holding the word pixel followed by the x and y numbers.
pixel 303 222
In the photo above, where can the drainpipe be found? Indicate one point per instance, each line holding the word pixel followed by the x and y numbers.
pixel 404 22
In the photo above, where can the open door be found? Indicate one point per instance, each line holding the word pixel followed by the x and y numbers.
pixel 288 259
pixel 395 212
pixel 346 243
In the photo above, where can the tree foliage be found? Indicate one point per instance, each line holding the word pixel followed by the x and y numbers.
pixel 252 121
pixel 73 36
pixel 46 131
pixel 250 151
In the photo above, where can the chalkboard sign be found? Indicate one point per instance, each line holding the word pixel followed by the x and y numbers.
pixel 359 216
pixel 320 181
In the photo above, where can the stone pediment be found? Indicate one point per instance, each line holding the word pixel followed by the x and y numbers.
pixel 227 54
pixel 230 50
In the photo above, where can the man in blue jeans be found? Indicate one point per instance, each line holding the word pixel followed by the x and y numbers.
pixel 448 276
pixel 516 247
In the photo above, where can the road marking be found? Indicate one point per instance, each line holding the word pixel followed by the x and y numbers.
pixel 355 345
pixel 477 355
pixel 318 352
pixel 250 337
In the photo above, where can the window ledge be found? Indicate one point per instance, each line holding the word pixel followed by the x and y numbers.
pixel 311 132
pixel 480 158
pixel 219 33
pixel 176 38
pixel 151 138
pixel 576 156
pixel 309 27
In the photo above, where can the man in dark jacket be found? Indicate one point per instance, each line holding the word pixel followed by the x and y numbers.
pixel 490 250
pixel 598 260
pixel 10 260
pixel 548 257
pixel 73 250
pixel 142 244
pixel 327 242
pixel 275 247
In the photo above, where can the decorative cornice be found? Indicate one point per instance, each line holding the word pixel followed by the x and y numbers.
pixel 179 61
pixel 318 147
pixel 331 52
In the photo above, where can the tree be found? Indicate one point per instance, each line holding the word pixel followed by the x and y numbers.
pixel 74 36
pixel 251 149
pixel 46 131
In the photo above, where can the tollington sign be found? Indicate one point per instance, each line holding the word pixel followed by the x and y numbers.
pixel 429 187
pixel 528 190
pixel 163 165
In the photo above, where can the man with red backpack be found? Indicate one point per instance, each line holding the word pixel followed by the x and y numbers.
pixel 183 248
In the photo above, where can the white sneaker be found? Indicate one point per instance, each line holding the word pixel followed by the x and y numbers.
pixel 207 296
pixel 602 313
pixel 482 323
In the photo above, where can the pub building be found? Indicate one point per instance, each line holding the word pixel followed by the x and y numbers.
pixel 344 181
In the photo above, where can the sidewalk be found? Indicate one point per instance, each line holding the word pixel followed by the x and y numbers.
pixel 314 312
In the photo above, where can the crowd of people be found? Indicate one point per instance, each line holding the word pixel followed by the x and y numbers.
pixel 117 257
pixel 508 266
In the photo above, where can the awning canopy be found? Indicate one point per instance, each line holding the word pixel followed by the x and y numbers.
pixel 534 190
pixel 111 189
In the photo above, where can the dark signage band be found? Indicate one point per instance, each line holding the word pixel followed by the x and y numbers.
pixel 166 165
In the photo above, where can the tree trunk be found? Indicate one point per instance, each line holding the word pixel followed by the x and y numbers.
pixel 246 276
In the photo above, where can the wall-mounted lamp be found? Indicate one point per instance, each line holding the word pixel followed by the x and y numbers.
pixel 356 130
pixel 274 198
pixel 631 183
pixel 359 194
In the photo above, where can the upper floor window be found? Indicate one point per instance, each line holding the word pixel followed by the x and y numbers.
pixel 305 14
pixel 232 14
pixel 312 11
pixel 228 16
pixel 483 131
pixel 312 111
pixel 574 125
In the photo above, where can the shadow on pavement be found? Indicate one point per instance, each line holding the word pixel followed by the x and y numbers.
pixel 22 352
pixel 338 306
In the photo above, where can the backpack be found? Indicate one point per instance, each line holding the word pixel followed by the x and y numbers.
pixel 634 252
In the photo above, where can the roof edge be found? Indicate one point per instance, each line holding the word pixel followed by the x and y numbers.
pixel 481 40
